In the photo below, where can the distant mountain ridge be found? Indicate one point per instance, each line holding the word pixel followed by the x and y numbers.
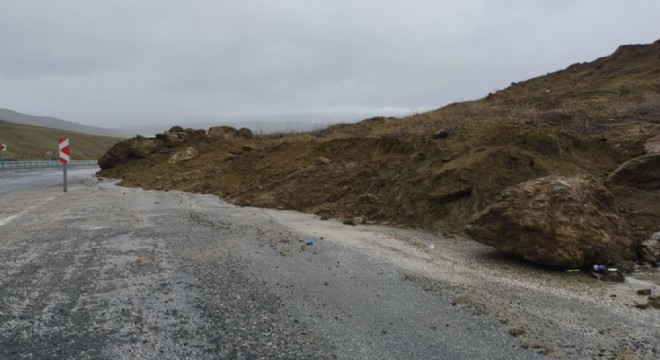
pixel 55 123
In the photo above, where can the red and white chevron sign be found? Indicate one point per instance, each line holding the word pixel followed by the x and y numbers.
pixel 3 147
pixel 64 150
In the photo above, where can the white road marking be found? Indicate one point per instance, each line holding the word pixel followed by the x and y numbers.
pixel 9 219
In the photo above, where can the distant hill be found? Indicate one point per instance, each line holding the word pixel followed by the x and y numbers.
pixel 32 142
pixel 55 123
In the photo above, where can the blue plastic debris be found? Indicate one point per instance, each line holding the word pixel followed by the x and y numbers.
pixel 309 242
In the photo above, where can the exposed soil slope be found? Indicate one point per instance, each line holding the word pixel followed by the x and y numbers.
pixel 587 119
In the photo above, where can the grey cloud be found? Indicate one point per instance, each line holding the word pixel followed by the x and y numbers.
pixel 206 57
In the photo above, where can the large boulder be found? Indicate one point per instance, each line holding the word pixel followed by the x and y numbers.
pixel 556 221
pixel 120 153
pixel 245 133
pixel 183 155
pixel 142 147
pixel 229 132
pixel 173 139
pixel 641 172
pixel 223 132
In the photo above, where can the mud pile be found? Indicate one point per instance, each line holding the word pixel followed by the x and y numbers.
pixel 393 171
pixel 403 179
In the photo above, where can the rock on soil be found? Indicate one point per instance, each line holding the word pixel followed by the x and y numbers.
pixel 650 249
pixel 440 134
pixel 229 132
pixel 652 145
pixel 642 172
pixel 135 148
pixel 556 221
pixel 183 155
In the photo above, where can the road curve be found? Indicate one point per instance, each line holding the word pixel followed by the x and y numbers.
pixel 104 272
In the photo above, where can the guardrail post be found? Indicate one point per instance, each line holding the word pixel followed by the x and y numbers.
pixel 64 177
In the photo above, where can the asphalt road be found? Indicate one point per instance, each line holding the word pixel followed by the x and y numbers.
pixel 104 272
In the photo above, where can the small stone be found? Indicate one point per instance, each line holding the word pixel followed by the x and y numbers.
pixel 440 134
pixel 516 332
pixel 368 199
pixel 644 292
pixel 615 276
pixel 654 301
pixel 322 160
pixel 642 306
pixel 652 145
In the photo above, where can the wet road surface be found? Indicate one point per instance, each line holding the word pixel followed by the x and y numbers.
pixel 104 272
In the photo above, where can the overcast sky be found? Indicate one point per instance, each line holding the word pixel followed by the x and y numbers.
pixel 115 62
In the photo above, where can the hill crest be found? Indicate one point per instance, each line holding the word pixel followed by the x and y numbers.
pixel 55 123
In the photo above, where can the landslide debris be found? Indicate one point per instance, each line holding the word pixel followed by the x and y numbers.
pixel 586 120
pixel 402 178
pixel 569 222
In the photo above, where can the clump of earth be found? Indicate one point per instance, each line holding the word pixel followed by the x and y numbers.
pixel 596 120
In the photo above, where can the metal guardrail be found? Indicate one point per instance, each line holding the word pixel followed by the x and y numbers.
pixel 34 164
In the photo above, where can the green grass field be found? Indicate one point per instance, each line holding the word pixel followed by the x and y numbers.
pixel 33 142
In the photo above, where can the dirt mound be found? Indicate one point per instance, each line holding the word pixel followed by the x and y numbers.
pixel 389 170
pixel 399 178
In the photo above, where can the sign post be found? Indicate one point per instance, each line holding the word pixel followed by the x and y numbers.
pixel 3 147
pixel 64 157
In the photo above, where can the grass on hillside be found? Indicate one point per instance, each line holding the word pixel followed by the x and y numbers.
pixel 32 142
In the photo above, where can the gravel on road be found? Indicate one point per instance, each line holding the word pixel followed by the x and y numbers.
pixel 104 272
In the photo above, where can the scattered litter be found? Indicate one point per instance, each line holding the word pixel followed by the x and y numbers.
pixel 602 272
pixel 599 267
pixel 431 246
pixel 309 242
pixel 573 270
